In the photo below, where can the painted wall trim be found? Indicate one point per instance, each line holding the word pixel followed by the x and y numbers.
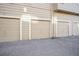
pixel 67 12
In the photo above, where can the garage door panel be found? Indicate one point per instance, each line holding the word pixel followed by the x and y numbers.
pixel 75 28
pixel 35 30
pixel 62 29
pixel 45 29
pixel 40 29
pixel 9 29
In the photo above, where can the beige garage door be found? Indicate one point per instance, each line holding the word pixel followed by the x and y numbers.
pixel 75 28
pixel 9 29
pixel 40 29
pixel 62 29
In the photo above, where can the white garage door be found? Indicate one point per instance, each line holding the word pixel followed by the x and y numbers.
pixel 9 29
pixel 75 28
pixel 62 29
pixel 40 29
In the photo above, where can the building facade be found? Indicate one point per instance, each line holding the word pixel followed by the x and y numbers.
pixel 26 21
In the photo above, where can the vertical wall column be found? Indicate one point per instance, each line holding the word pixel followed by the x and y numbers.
pixel 52 20
pixel 20 29
pixel 25 27
pixel 30 25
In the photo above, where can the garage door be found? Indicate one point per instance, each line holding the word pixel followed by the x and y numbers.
pixel 62 29
pixel 9 29
pixel 75 28
pixel 40 29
